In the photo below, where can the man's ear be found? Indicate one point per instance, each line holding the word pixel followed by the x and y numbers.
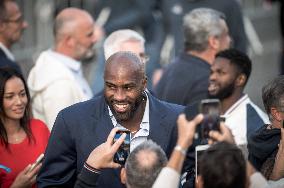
pixel 123 175
pixel 275 114
pixel 69 41
pixel 241 80
pixel 214 42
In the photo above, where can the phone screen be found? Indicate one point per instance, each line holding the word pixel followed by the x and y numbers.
pixel 124 149
pixel 210 108
pixel 198 153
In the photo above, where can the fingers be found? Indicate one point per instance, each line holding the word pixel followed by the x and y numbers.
pixel 215 136
pixel 114 165
pixel 26 170
pixel 182 119
pixel 224 128
pixel 111 135
pixel 116 145
pixel 198 119
pixel 33 180
pixel 35 170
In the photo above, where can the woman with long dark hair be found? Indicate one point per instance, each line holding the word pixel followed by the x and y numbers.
pixel 22 139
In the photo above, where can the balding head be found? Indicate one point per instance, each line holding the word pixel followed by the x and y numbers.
pixel 144 164
pixel 68 20
pixel 125 61
pixel 74 33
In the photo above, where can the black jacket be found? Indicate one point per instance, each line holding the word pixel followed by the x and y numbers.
pixel 262 144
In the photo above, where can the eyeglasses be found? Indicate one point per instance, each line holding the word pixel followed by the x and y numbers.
pixel 145 58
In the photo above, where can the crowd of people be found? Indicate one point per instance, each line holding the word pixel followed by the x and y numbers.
pixel 54 112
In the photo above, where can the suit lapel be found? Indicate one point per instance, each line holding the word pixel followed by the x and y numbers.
pixel 158 123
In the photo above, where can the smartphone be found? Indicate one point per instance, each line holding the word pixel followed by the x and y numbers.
pixel 122 153
pixel 210 108
pixel 36 163
pixel 199 149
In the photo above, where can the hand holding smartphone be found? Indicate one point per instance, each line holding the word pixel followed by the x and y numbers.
pixel 210 108
pixel 122 153
pixel 37 162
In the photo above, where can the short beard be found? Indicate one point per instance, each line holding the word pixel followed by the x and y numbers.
pixel 224 92
pixel 122 117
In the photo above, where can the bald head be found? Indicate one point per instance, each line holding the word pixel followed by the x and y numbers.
pixel 74 34
pixel 125 62
pixel 69 21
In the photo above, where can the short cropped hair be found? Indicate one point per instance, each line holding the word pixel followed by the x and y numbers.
pixel 198 25
pixel 241 61
pixel 143 173
pixel 273 95
pixel 116 38
pixel 222 166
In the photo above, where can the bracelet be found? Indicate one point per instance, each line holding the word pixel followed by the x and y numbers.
pixel 92 169
pixel 180 149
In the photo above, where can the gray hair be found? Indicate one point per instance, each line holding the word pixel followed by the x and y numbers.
pixel 143 173
pixel 117 38
pixel 273 95
pixel 198 25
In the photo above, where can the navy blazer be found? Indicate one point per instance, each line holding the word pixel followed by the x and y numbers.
pixel 80 128
pixel 6 62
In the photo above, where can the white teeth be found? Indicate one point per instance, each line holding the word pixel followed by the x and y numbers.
pixel 121 106
pixel 212 86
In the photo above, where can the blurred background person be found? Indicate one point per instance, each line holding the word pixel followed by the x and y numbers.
pixel 264 144
pixel 175 10
pixel 56 81
pixel 23 139
pixel 12 25
pixel 185 80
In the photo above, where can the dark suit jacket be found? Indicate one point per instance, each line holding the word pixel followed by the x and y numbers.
pixel 82 127
pixel 5 62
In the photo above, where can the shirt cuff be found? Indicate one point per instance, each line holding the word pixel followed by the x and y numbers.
pixel 88 177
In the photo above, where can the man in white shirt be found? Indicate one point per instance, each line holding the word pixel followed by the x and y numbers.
pixel 12 25
pixel 56 81
pixel 229 75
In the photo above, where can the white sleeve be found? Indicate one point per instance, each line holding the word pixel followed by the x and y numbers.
pixel 167 178
pixel 257 180
pixel 56 97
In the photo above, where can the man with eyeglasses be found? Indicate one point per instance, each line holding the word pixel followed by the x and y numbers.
pixel 12 26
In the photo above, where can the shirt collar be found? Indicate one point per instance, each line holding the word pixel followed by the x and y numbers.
pixel 69 62
pixel 145 120
pixel 234 106
pixel 7 52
